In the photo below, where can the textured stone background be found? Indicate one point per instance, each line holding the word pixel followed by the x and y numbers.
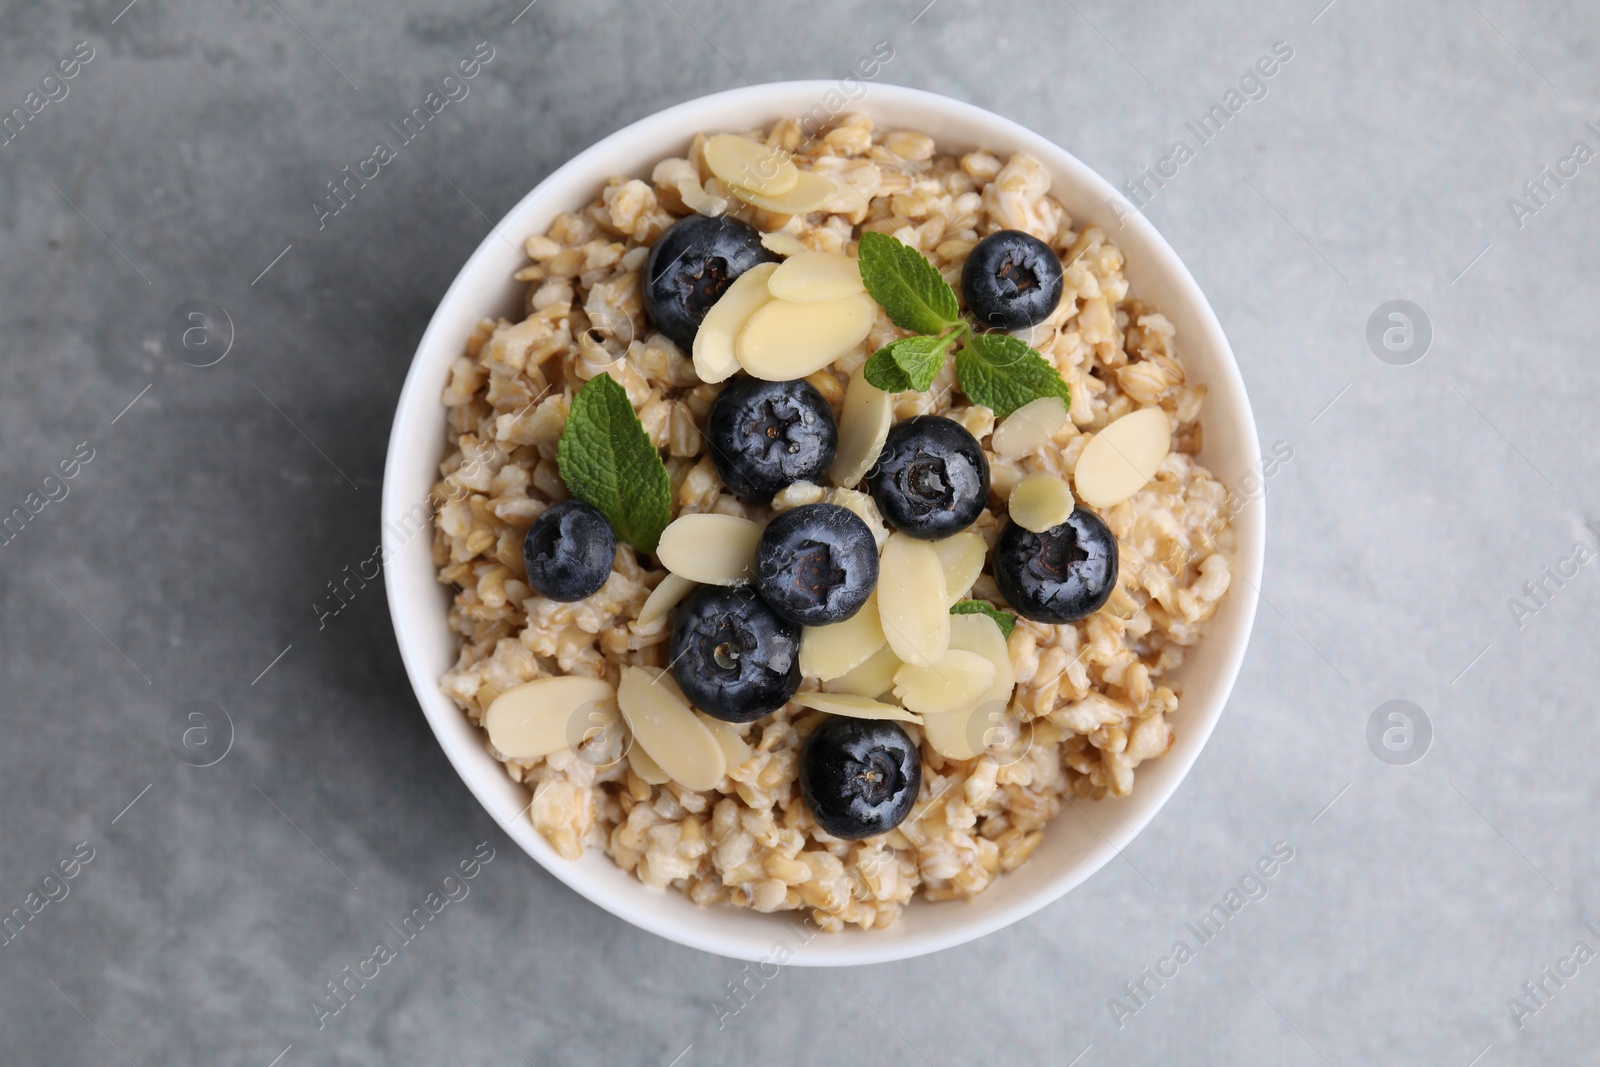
pixel 192 547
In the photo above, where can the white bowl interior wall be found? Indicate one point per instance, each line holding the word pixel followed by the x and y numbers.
pixel 1072 848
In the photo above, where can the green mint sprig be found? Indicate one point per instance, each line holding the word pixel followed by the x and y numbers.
pixel 1003 619
pixel 909 364
pixel 996 370
pixel 1003 373
pixel 606 459
pixel 910 288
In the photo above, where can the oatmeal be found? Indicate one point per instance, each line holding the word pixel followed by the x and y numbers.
pixel 931 634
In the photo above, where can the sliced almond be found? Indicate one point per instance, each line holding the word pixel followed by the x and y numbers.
pixel 830 651
pixel 811 190
pixel 646 768
pixel 750 164
pixel 784 340
pixel 1120 459
pixel 713 344
pixel 734 748
pixel 872 678
pixel 547 714
pixel 863 426
pixel 958 735
pixel 663 598
pixel 981 634
pixel 963 734
pixel 961 558
pixel 593 721
pixel 1039 501
pixel 1029 428
pixel 668 730
pixel 854 707
pixel 911 600
pixel 696 199
pixel 950 683
pixel 710 549
pixel 783 244
pixel 814 277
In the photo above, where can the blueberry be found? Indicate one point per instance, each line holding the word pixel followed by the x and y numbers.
pixel 1061 575
pixel 931 479
pixel 859 777
pixel 765 435
pixel 816 564
pixel 692 264
pixel 732 655
pixel 1012 280
pixel 568 550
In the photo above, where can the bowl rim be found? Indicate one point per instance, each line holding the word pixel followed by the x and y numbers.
pixel 425 379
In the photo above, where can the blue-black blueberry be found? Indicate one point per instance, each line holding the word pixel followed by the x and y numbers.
pixel 732 655
pixel 931 479
pixel 1064 574
pixel 764 436
pixel 569 550
pixel 816 564
pixel 1012 280
pixel 859 777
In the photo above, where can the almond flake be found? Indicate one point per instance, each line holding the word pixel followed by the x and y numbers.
pixel 958 735
pixel 750 164
pixel 830 651
pixel 911 600
pixel 950 683
pixel 784 340
pixel 872 678
pixel 853 707
pixel 963 733
pixel 981 634
pixel 699 201
pixel 545 715
pixel 663 598
pixel 811 190
pixel 814 277
pixel 961 558
pixel 782 244
pixel 1029 428
pixel 709 549
pixel 734 748
pixel 863 426
pixel 1040 501
pixel 667 729
pixel 646 768
pixel 1120 459
pixel 713 344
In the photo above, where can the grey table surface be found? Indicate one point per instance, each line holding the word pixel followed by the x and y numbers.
pixel 1386 161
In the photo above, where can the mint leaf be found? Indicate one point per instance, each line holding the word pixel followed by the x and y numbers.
pixel 908 287
pixel 1002 373
pixel 1003 619
pixel 606 459
pixel 909 364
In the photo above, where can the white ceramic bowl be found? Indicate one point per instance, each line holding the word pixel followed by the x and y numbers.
pixel 1072 849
